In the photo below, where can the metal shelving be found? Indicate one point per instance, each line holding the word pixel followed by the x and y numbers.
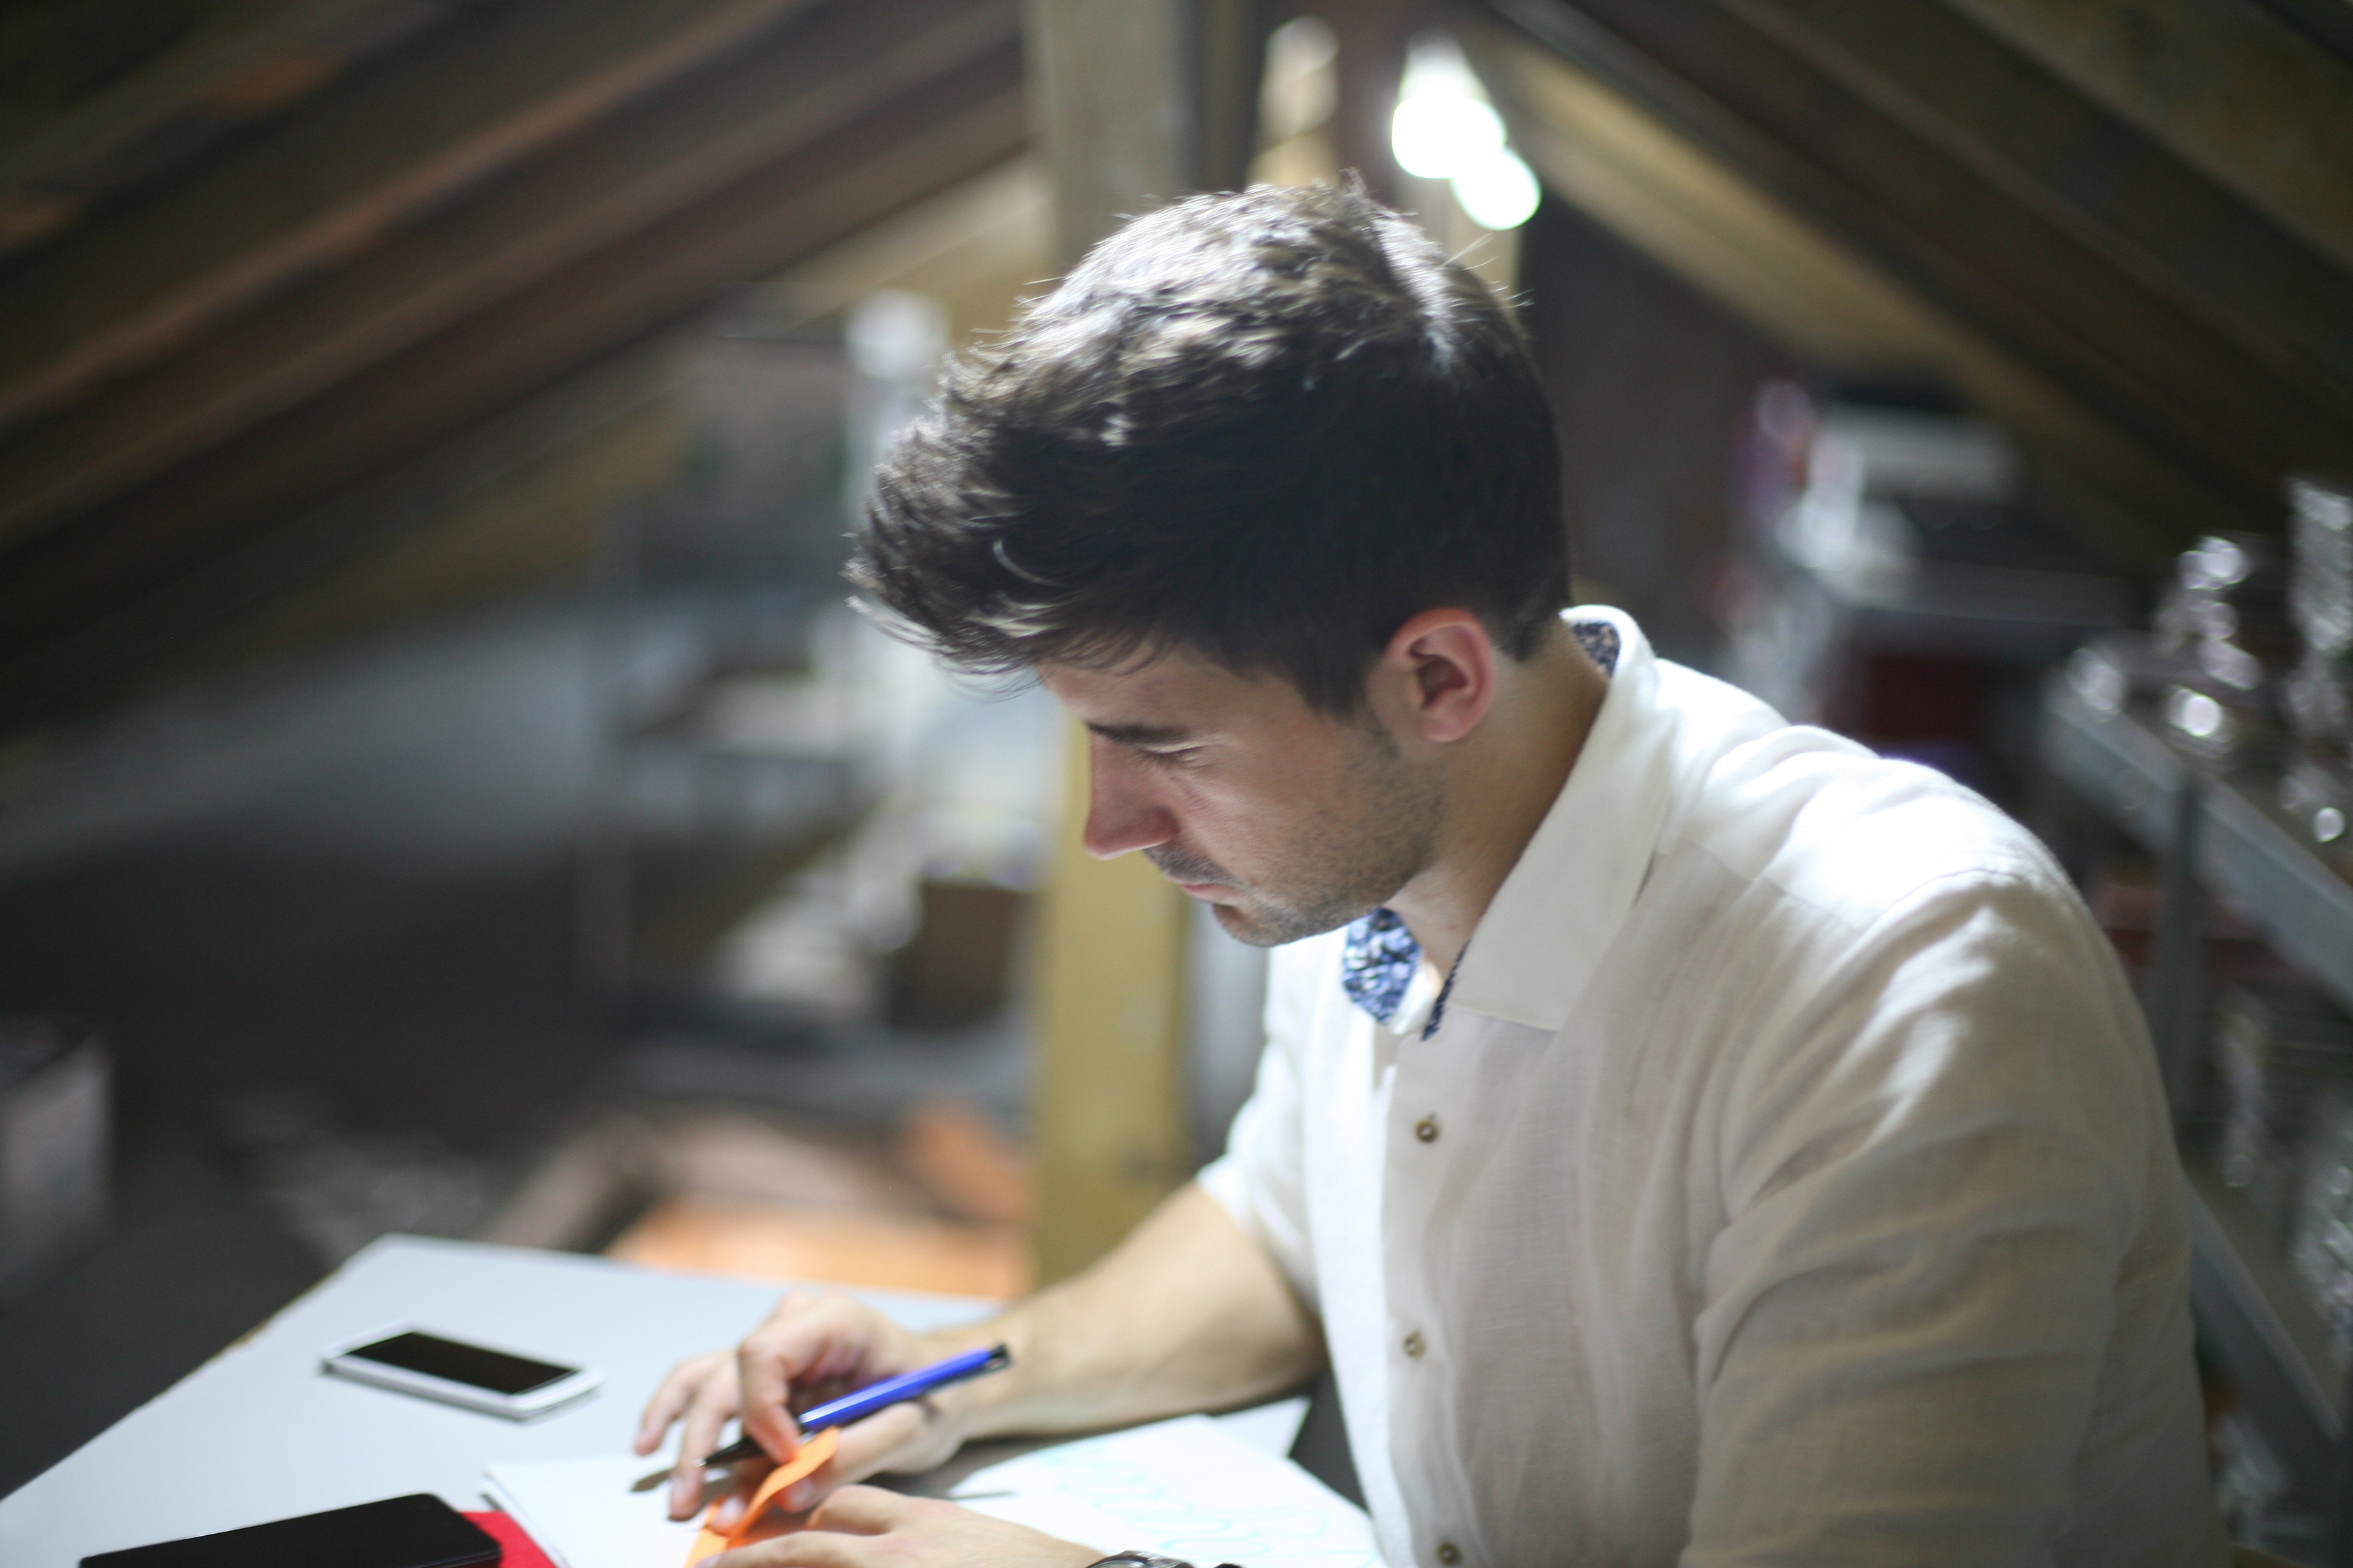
pixel 2256 1315
pixel 2303 901
pixel 2216 828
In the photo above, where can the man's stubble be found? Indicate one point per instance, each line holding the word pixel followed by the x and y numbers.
pixel 1346 863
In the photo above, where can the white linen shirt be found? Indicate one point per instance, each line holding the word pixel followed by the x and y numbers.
pixel 1787 1181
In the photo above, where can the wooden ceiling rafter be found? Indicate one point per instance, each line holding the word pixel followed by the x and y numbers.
pixel 846 116
pixel 2121 194
pixel 2015 276
pixel 2235 88
pixel 219 602
pixel 1671 198
pixel 163 108
pixel 2154 386
pixel 518 499
pixel 320 186
pixel 437 384
pixel 614 179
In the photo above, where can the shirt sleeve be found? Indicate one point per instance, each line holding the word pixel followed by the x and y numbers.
pixel 1261 1180
pixel 1950 1197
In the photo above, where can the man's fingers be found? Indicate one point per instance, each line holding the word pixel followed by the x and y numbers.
pixel 839 1535
pixel 671 1399
pixel 685 1489
pixel 808 1343
pixel 861 1511
pixel 800 1550
pixel 865 1527
pixel 742 1485
pixel 872 1445
pixel 767 1366
pixel 863 1448
pixel 706 1416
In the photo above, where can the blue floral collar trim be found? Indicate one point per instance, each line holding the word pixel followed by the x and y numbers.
pixel 1377 961
pixel 1600 642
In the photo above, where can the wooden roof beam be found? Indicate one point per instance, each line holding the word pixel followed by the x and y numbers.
pixel 2124 194
pixel 84 605
pixel 2146 359
pixel 591 191
pixel 2257 104
pixel 320 186
pixel 520 496
pixel 162 108
pixel 1715 223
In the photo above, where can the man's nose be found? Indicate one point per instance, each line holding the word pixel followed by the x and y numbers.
pixel 1121 814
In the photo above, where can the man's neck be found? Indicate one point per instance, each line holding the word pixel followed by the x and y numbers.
pixel 1500 785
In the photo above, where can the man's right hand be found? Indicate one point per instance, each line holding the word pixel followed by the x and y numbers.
pixel 811 1348
pixel 1190 1312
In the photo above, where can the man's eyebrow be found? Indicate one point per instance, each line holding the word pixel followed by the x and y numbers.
pixel 1142 734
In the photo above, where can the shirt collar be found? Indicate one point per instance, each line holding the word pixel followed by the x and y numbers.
pixel 1544 933
pixel 1380 962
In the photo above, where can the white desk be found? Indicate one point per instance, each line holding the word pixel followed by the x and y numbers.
pixel 260 1433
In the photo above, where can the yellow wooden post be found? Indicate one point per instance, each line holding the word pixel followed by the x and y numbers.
pixel 1110 1101
pixel 1132 103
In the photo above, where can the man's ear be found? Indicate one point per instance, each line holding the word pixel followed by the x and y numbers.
pixel 1439 669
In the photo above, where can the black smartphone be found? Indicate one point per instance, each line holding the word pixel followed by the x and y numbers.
pixel 418 1531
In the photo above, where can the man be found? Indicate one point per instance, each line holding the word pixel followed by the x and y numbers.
pixel 1690 1137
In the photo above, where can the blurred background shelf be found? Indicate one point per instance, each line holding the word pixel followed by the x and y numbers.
pixel 2217 828
pixel 2252 849
pixel 2249 1300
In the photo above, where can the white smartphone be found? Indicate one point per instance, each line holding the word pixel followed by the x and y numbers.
pixel 478 1376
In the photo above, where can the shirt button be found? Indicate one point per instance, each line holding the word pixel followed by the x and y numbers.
pixel 1427 1128
pixel 1413 1344
pixel 1450 1553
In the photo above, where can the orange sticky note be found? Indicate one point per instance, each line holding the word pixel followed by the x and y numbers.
pixel 709 1539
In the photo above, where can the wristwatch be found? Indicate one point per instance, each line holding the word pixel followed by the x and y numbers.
pixel 1145 1560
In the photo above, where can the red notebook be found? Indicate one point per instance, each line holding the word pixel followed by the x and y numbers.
pixel 519 1551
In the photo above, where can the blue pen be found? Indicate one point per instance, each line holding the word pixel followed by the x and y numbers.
pixel 878 1397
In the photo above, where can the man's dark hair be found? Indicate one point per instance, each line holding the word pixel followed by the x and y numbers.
pixel 1268 428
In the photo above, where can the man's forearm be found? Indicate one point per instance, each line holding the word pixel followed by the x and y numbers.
pixel 1188 1313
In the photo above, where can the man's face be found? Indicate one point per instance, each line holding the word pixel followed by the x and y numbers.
pixel 1286 820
